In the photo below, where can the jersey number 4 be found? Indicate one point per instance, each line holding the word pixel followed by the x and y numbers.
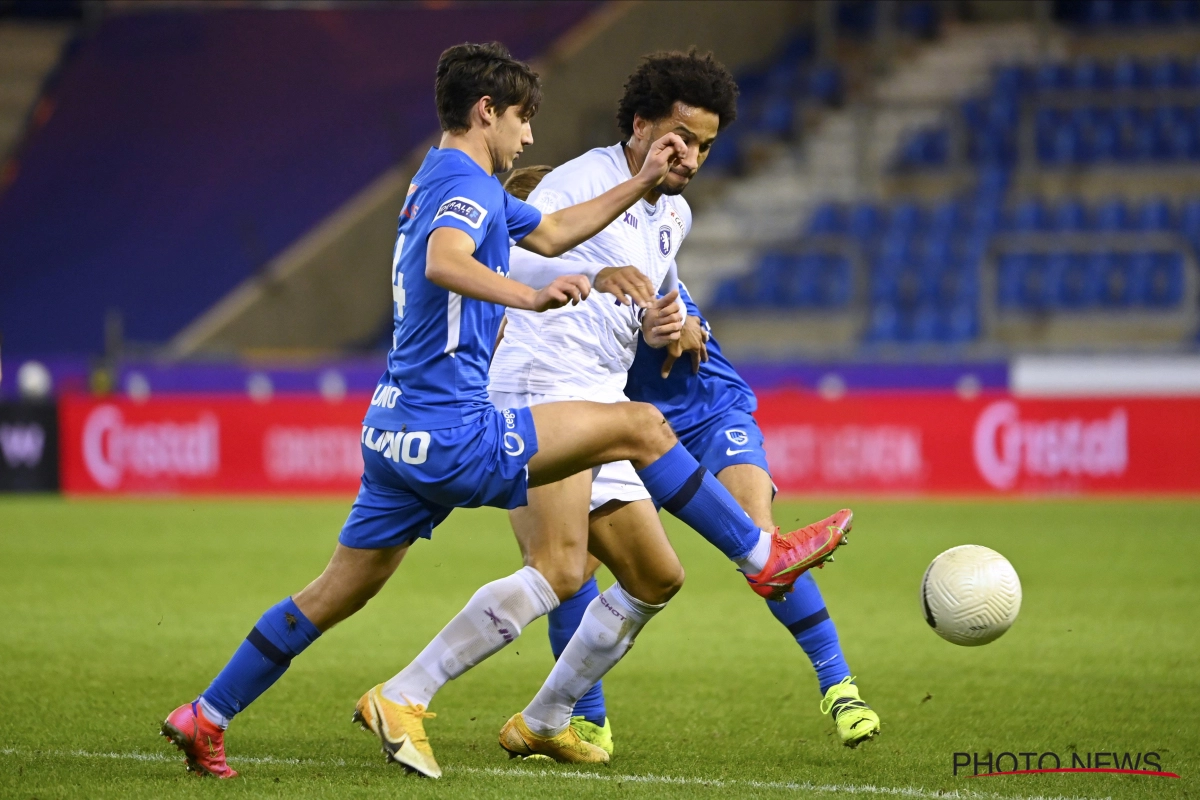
pixel 398 278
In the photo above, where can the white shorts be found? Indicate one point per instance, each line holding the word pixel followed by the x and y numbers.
pixel 615 481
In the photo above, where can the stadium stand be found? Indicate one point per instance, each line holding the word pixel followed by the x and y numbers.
pixel 157 191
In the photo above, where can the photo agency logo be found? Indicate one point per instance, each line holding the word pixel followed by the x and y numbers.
pixel 986 765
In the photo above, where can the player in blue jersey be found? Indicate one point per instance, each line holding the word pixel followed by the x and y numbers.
pixel 431 440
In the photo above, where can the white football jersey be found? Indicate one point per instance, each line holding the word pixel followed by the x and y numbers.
pixel 591 345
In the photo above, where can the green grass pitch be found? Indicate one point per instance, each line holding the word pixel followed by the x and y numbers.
pixel 114 612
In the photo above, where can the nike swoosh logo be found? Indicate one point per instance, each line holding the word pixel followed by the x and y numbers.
pixel 730 452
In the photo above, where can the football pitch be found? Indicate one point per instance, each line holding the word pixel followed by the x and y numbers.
pixel 114 612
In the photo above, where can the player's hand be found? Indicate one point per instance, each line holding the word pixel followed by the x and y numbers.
pixel 663 321
pixel 572 289
pixel 692 339
pixel 626 283
pixel 663 155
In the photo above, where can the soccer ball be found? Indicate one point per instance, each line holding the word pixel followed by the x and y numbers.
pixel 970 595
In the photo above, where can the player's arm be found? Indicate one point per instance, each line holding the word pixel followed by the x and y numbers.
pixel 626 283
pixel 567 227
pixel 693 336
pixel 450 264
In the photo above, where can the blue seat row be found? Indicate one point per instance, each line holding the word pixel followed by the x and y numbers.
pixel 1125 73
pixel 787 280
pixel 926 323
pixel 1090 280
pixel 1125 13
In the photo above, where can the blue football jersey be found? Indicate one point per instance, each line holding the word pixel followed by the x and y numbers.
pixel 688 400
pixel 437 372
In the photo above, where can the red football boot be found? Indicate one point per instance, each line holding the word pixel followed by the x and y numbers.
pixel 795 553
pixel 201 740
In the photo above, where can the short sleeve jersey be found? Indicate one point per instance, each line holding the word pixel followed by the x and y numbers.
pixel 437 372
pixel 588 348
pixel 686 400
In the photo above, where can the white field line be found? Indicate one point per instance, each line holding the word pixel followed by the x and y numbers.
pixel 668 780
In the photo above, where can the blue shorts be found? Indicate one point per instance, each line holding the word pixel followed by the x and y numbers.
pixel 731 438
pixel 412 480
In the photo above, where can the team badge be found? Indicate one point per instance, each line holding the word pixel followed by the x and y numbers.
pixel 461 208
pixel 737 436
pixel 664 240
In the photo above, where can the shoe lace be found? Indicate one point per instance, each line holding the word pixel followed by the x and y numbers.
pixel 833 694
pixel 421 713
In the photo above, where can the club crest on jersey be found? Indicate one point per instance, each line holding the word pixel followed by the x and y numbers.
pixel 737 436
pixel 468 211
pixel 664 240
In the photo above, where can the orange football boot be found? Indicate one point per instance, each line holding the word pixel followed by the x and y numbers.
pixel 201 740
pixel 793 554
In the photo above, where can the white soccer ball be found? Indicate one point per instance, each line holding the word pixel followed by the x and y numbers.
pixel 970 595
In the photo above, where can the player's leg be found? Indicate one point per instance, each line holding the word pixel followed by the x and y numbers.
pixel 352 577
pixel 552 534
pixel 579 435
pixel 629 539
pixel 802 611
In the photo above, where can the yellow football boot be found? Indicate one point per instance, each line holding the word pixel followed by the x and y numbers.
pixel 401 729
pixel 566 748
pixel 592 733
pixel 855 721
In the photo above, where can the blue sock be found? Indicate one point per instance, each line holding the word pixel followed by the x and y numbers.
pixel 688 491
pixel 803 613
pixel 564 620
pixel 281 634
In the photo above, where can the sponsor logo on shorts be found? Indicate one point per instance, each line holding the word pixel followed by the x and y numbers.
pixel 738 436
pixel 510 419
pixel 664 240
pixel 729 451
pixel 514 445
pixel 461 208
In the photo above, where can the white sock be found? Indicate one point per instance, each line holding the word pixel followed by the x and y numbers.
pixel 610 624
pixel 494 616
pixel 213 715
pixel 754 562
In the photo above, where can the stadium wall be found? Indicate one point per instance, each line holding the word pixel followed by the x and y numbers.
pixel 912 443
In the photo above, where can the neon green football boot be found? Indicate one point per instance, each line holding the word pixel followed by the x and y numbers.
pixel 856 722
pixel 592 733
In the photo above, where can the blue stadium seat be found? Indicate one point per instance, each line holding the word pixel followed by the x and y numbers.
pixel 906 217
pixel 1105 141
pixel 1011 269
pixel 1090 75
pixel 961 323
pixel 828 218
pixel 1157 279
pixel 866 221
pixel 1070 215
pixel 1009 79
pixel 825 84
pixel 1112 216
pixel 1075 283
pixel 1128 74
pixel 925 324
pixel 885 323
pixel 1029 216
pixel 1034 291
pixel 1167 73
pixel 728 295
pixel 946 217
pixel 1154 215
pixel 832 285
pixel 1052 76
pixel 1189 217
pixel 1115 286
pixel 725 154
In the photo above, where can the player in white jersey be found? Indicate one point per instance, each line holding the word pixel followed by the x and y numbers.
pixel 585 352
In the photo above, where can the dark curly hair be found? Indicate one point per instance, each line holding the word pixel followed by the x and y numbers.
pixel 467 72
pixel 666 78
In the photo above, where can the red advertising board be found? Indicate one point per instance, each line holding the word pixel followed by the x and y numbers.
pixel 211 445
pixel 939 443
pixel 897 443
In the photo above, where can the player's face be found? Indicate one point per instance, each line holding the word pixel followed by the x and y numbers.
pixel 698 129
pixel 510 135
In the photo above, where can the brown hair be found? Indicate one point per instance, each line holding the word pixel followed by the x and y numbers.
pixel 467 72
pixel 520 183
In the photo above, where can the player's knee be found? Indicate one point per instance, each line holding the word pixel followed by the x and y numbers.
pixel 564 580
pixel 652 429
pixel 664 585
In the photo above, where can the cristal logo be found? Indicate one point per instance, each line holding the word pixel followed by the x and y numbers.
pixel 1006 446
pixel 112 447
